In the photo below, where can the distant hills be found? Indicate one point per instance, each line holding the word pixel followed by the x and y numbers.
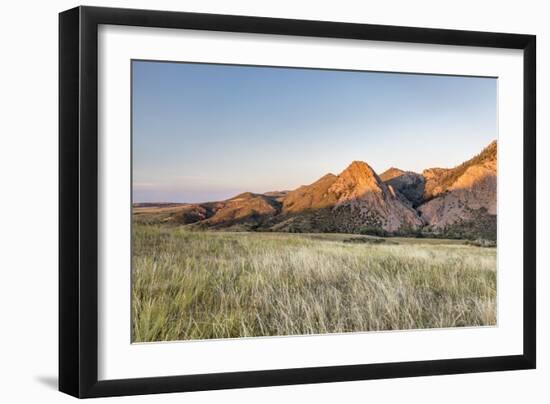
pixel 457 202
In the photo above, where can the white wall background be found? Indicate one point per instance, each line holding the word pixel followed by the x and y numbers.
pixel 28 199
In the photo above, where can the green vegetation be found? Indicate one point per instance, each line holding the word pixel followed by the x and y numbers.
pixel 374 231
pixel 483 228
pixel 200 284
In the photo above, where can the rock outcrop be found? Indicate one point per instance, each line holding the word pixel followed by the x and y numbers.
pixel 465 195
pixel 409 184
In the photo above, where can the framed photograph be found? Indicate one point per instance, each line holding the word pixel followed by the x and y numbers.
pixel 250 201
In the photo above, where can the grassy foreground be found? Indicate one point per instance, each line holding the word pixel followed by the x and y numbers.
pixel 199 285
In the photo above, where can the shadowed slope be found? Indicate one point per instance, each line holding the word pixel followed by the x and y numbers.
pixel 409 184
pixel 466 202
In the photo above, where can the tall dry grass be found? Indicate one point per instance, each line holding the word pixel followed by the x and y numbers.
pixel 199 285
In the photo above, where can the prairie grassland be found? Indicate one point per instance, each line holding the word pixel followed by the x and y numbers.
pixel 201 285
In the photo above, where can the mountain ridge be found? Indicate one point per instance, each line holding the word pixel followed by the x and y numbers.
pixel 439 201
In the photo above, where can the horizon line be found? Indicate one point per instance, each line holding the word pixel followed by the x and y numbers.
pixel 292 189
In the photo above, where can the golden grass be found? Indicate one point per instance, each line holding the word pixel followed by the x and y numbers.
pixel 200 285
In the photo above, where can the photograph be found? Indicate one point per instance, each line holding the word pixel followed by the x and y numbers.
pixel 272 201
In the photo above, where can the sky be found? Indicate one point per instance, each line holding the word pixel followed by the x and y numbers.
pixel 206 132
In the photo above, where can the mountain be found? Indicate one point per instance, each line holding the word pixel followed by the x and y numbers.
pixel 434 182
pixel 277 195
pixel 356 200
pixel 446 202
pixel 409 184
pixel 193 213
pixel 247 210
pixel 172 213
pixel 462 200
pixel 313 196
pixel 438 180
pixel 353 201
pixel 244 209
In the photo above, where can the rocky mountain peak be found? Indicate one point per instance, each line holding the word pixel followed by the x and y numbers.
pixel 359 170
pixel 491 148
pixel 357 179
pixel 391 173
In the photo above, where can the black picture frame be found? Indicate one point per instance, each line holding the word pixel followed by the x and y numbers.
pixel 78 201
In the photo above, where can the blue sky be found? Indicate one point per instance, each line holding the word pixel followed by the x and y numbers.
pixel 204 132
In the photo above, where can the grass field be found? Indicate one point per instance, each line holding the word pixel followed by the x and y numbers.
pixel 200 285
